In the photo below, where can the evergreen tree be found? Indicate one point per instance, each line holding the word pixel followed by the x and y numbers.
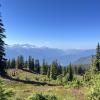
pixel 59 69
pixel 53 70
pixel 8 64
pixel 71 74
pixel 44 67
pixel 98 52
pixel 2 48
pixel 97 62
pixel 81 70
pixel 37 66
pixel 31 63
pixel 13 63
pixel 48 72
pixel 20 62
pixel 26 64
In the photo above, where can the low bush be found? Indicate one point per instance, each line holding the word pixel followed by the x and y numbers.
pixel 42 97
pixel 5 94
pixel 95 88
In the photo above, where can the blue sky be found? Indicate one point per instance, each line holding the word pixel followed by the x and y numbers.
pixel 64 24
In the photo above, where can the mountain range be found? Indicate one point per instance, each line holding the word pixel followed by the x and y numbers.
pixel 76 56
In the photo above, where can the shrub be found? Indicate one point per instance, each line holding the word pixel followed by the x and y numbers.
pixel 95 88
pixel 42 97
pixel 95 94
pixel 36 78
pixel 52 97
pixel 5 93
pixel 78 84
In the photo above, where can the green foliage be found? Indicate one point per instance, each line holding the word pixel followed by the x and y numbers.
pixel 8 64
pixel 97 65
pixel 2 48
pixel 53 70
pixel 59 69
pixel 48 72
pixel 79 84
pixel 5 93
pixel 92 77
pixel 52 97
pixel 42 97
pixel 88 75
pixel 80 69
pixel 44 68
pixel 37 66
pixel 74 84
pixel 60 79
pixel 94 93
pixel 71 73
pixel 98 52
pixel 13 63
pixel 31 63
pixel 20 62
pixel 38 97
pixel 26 64
pixel 97 61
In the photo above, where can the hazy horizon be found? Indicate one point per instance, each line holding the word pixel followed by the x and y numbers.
pixel 45 46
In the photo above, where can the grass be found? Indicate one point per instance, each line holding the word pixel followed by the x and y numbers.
pixel 23 91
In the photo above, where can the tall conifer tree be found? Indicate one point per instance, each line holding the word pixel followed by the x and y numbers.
pixel 97 62
pixel 13 63
pixel 53 70
pixel 71 73
pixel 44 67
pixel 2 47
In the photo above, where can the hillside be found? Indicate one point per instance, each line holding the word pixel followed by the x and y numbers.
pixel 83 60
pixel 24 90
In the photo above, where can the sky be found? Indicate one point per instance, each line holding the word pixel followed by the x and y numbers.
pixel 65 24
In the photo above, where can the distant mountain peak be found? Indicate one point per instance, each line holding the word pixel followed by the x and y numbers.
pixel 22 46
pixel 26 46
pixel 50 54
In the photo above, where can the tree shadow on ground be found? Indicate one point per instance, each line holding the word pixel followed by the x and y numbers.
pixel 26 81
pixel 26 70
